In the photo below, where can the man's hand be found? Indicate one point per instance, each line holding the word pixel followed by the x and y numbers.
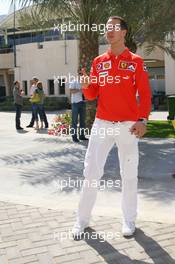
pixel 138 129
pixel 84 79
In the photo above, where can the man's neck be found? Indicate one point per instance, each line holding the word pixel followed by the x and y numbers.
pixel 117 49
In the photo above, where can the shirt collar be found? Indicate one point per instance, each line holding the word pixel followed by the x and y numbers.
pixel 125 54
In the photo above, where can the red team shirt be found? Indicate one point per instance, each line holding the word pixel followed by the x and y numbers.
pixel 115 81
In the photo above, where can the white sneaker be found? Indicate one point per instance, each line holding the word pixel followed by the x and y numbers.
pixel 78 228
pixel 128 228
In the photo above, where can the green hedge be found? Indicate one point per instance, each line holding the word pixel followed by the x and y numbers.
pixel 51 104
pixel 160 129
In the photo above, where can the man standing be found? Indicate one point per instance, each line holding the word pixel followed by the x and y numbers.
pixel 125 75
pixel 18 101
pixel 32 90
pixel 78 110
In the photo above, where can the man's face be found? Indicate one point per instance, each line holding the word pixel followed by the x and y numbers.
pixel 114 33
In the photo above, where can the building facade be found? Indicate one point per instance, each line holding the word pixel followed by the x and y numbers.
pixel 54 59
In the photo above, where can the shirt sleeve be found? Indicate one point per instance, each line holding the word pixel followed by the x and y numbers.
pixel 92 91
pixel 144 90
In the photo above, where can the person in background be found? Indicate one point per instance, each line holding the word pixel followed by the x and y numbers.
pixel 32 89
pixel 41 109
pixel 37 100
pixel 18 101
pixel 78 109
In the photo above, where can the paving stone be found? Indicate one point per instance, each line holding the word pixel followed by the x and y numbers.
pixel 76 249
pixel 23 260
pixel 45 258
pixel 34 236
pixel 14 237
pixel 33 240
pixel 26 220
pixel 3 259
pixel 17 226
pixel 89 256
pixel 24 244
pixel 33 251
pixel 78 261
pixel 7 244
pixel 2 251
pixel 12 252
pixel 66 258
pixel 55 251
pixel 132 253
pixel 3 216
pixel 46 242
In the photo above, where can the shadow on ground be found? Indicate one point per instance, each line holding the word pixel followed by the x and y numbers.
pixel 44 167
pixel 112 256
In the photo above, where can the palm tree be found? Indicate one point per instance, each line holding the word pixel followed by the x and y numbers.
pixel 143 16
pixel 80 12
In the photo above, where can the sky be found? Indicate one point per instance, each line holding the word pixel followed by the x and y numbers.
pixel 5 6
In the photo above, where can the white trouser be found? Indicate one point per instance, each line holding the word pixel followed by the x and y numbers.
pixel 104 135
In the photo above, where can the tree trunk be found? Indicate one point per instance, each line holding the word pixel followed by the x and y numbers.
pixel 89 49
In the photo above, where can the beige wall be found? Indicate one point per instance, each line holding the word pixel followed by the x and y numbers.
pixel 47 62
pixel 50 61
pixel 157 54
pixel 169 74
pixel 6 61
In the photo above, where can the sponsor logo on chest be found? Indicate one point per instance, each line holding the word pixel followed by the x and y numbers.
pixel 127 65
pixel 103 66
pixel 104 73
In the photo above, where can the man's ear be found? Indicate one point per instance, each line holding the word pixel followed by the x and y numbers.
pixel 124 33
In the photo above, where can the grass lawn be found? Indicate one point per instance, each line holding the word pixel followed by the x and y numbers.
pixel 160 129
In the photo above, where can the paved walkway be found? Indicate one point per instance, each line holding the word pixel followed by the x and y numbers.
pixel 42 236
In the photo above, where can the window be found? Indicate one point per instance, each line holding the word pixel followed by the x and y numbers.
pixel 151 76
pixel 61 86
pixel 160 77
pixel 24 86
pixel 51 88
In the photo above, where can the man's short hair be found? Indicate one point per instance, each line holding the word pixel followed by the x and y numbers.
pixel 123 24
